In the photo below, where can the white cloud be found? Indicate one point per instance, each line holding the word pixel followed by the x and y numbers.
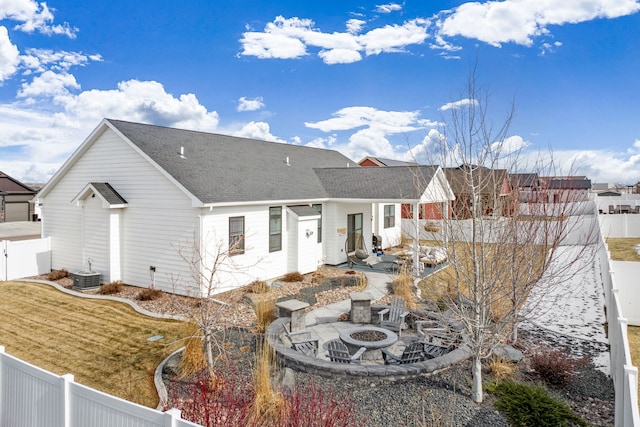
pixel 33 16
pixel 246 104
pixel 388 8
pixel 48 84
pixel 519 21
pixel 289 38
pixel 458 104
pixel 258 130
pixel 354 26
pixel 372 128
pixel 394 38
pixel 340 56
pixel 510 145
pixel 44 138
pixel 40 60
pixel 8 55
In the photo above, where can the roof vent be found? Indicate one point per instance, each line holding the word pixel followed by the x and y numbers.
pixel 287 161
pixel 182 153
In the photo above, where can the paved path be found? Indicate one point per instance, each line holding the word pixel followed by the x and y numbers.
pixel 377 286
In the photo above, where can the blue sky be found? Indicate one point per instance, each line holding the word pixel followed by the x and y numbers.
pixel 364 78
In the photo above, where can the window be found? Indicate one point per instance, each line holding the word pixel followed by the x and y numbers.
pixel 236 235
pixel 318 207
pixel 389 216
pixel 275 229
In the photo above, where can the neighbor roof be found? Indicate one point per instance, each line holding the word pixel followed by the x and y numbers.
pixel 489 181
pixel 568 183
pixel 222 169
pixel 9 185
pixel 387 162
pixel 391 183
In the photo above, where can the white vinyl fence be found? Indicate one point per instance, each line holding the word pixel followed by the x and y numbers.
pixel 33 397
pixel 620 225
pixel 625 375
pixel 24 258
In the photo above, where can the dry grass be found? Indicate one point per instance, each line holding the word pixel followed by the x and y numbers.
pixel 268 406
pixel 102 343
pixel 453 279
pixel 265 313
pixel 192 360
pixel 623 249
pixel 502 369
pixel 402 286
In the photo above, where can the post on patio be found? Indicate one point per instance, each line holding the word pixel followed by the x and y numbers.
pixel 360 307
pixel 416 239
pixel 294 309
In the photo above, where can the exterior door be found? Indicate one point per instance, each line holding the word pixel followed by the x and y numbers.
pixel 354 231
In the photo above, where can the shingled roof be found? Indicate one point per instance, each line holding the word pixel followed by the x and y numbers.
pixel 390 183
pixel 223 169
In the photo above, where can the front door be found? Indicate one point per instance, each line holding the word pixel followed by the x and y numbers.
pixel 354 231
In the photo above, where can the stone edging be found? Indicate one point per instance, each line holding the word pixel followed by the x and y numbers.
pixel 301 362
pixel 163 395
pixel 130 303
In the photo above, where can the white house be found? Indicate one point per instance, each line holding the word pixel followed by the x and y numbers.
pixel 133 196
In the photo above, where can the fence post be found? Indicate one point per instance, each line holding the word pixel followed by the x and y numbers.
pixel 1 379
pixel 630 414
pixel 174 415
pixel 66 380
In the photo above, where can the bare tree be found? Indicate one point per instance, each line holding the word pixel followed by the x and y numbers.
pixel 211 266
pixel 501 244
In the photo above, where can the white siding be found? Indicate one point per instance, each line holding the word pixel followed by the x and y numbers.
pixel 256 262
pixel 158 216
pixel 390 236
pixel 335 215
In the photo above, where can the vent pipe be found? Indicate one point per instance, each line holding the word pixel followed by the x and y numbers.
pixel 287 161
pixel 182 152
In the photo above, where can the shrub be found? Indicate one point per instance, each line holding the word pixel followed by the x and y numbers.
pixel 149 294
pixel 259 287
pixel 265 313
pixel 402 286
pixel 192 360
pixel 555 367
pixel 501 369
pixel 110 288
pixel 293 277
pixel 526 405
pixel 268 404
pixel 58 274
pixel 311 406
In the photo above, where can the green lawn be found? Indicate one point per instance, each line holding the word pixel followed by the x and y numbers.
pixel 102 343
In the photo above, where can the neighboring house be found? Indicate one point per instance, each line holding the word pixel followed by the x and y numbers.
pixel 525 186
pixel 490 194
pixel 16 200
pixel 133 195
pixel 380 162
pixel 428 211
pixel 561 189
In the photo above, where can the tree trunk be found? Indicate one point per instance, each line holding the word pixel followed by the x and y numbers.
pixel 208 351
pixel 514 332
pixel 476 390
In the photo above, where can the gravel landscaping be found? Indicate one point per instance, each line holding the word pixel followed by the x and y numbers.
pixel 441 399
